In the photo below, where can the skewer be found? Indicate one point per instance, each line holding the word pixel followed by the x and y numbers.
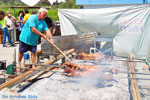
pixel 136 78
pixel 134 73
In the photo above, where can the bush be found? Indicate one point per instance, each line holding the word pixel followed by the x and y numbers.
pixel 53 13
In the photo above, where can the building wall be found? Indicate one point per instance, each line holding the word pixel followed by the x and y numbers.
pixel 81 43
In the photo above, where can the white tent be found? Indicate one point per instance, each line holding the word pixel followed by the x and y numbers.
pixel 34 2
pixel 128 25
pixel 30 2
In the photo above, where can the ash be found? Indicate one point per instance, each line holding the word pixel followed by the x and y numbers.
pixel 88 87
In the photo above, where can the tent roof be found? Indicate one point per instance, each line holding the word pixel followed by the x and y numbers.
pixel 34 2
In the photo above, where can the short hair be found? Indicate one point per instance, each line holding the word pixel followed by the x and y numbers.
pixel 2 14
pixel 26 10
pixel 43 9
pixel 34 12
pixel 21 11
pixel 8 12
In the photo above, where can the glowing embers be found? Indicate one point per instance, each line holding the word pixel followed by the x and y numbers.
pixel 88 70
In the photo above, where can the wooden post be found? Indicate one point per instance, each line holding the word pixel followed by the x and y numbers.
pixel 134 86
pixel 14 62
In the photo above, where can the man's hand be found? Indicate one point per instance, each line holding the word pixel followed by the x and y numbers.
pixel 51 40
pixel 45 37
pixel 19 18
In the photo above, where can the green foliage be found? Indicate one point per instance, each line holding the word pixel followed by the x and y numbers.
pixel 53 12
pixel 10 3
pixel 68 4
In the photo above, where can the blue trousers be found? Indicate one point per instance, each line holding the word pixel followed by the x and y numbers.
pixel 6 34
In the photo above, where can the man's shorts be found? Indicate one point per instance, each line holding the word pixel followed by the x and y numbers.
pixel 23 47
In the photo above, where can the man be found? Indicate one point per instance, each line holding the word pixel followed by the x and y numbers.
pixel 49 22
pixel 30 34
pixel 10 20
pixel 4 25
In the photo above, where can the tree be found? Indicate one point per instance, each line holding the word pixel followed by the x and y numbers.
pixel 68 4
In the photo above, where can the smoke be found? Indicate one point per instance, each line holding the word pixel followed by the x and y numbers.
pixel 96 78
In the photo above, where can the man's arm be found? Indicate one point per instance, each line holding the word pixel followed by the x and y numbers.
pixel 23 22
pixel 13 18
pixel 34 30
pixel 50 36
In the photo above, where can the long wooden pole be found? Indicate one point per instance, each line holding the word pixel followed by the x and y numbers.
pixel 134 87
pixel 60 51
pixel 24 75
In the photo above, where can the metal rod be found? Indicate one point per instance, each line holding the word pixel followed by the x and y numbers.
pixel 133 78
pixel 35 64
pixel 130 61
pixel 46 70
pixel 134 73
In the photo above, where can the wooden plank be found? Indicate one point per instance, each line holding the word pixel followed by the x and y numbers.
pixel 39 73
pixel 134 86
pixel 48 74
pixel 20 77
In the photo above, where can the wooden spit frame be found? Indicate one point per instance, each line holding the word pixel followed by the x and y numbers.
pixel 29 73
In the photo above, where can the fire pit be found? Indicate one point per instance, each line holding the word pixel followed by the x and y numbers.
pixel 88 80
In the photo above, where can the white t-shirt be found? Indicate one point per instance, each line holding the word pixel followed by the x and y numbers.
pixel 10 21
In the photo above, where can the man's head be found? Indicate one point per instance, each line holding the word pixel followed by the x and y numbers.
pixel 2 14
pixel 26 11
pixel 21 13
pixel 34 12
pixel 8 13
pixel 42 13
